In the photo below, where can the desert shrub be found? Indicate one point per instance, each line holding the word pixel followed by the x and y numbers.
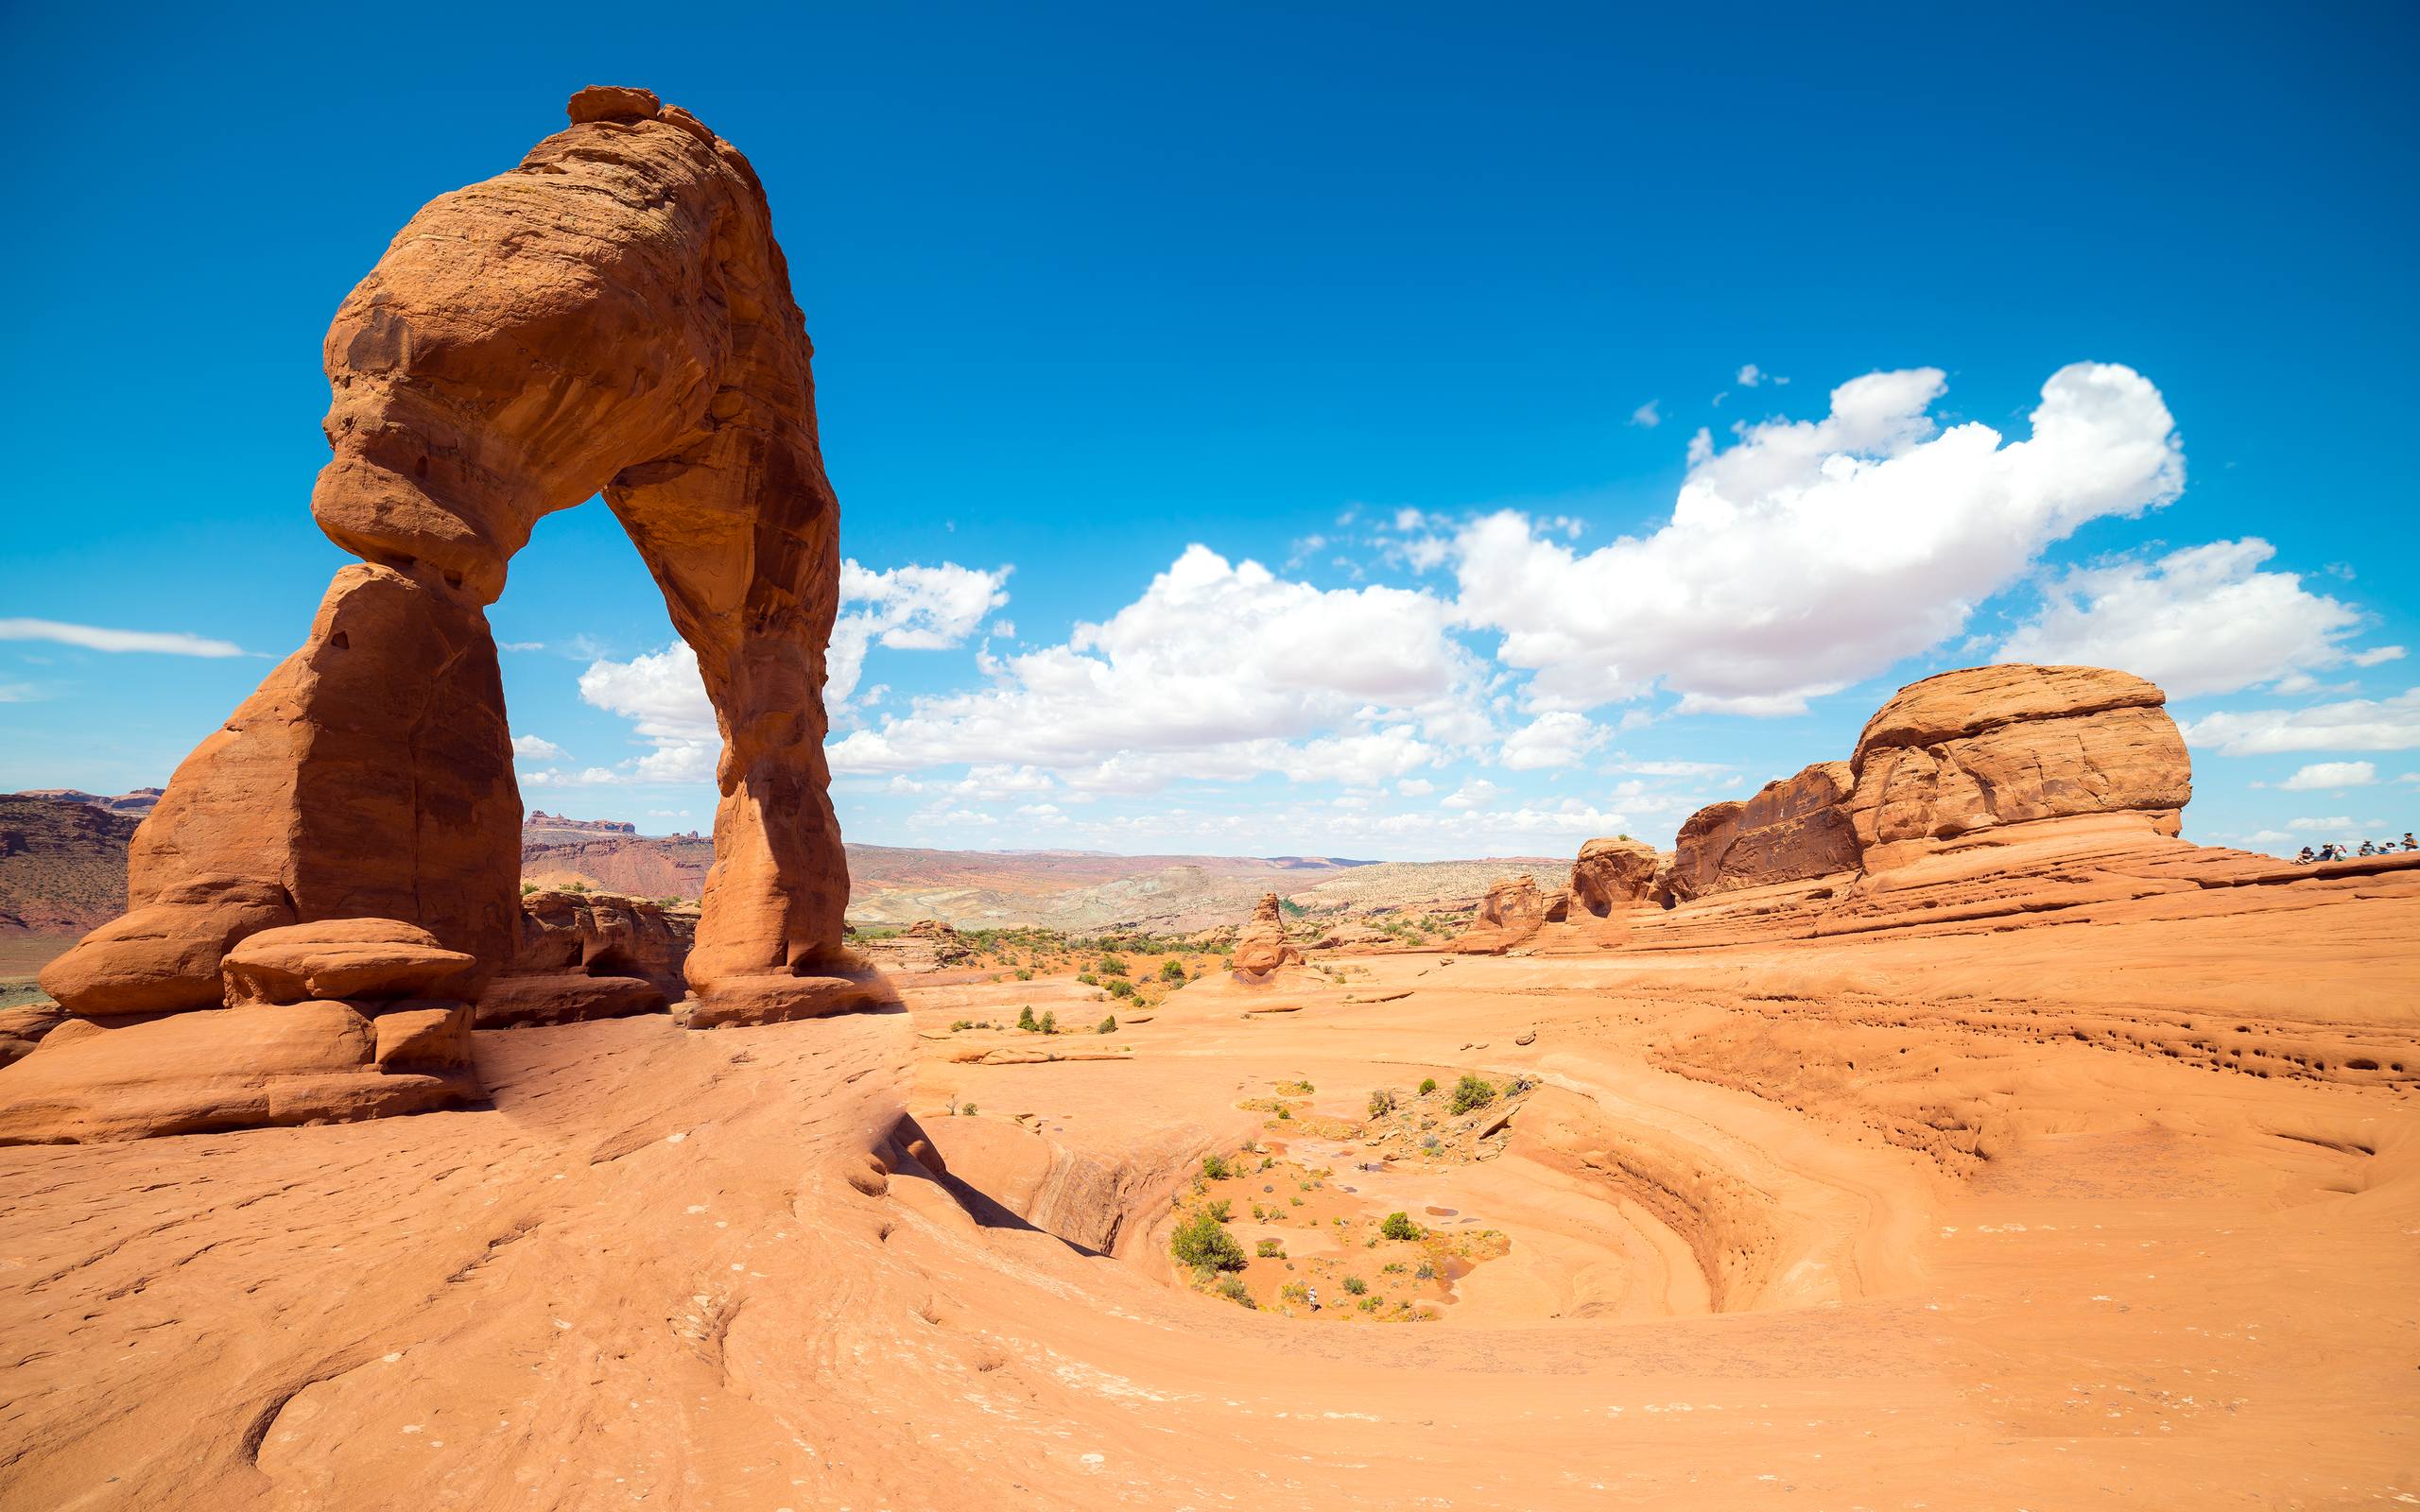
pixel 1025 974
pixel 575 886
pixel 1393 1268
pixel 1296 1088
pixel 1024 1019
pixel 1368 1304
pixel 1088 979
pixel 1272 1250
pixel 1355 1285
pixel 1221 1211
pixel 1399 1226
pixel 1172 969
pixel 1426 1273
pixel 1427 1085
pixel 1201 1243
pixel 1111 966
pixel 1293 1201
pixel 1050 1021
pixel 968 1109
pixel 1232 1288
pixel 1121 989
pixel 1108 1025
pixel 1296 1293
pixel 1382 1102
pixel 1215 1167
pixel 1284 1112
pixel 528 887
pixel 1471 1092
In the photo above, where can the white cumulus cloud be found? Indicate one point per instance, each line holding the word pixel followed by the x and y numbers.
pixel 1220 670
pixel 2198 621
pixel 536 748
pixel 2320 776
pixel 1813 554
pixel 2355 724
pixel 1555 738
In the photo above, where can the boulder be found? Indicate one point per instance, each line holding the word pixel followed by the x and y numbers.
pixel 1988 746
pixel 589 955
pixel 1261 946
pixel 227 1068
pixel 343 958
pixel 1613 874
pixel 24 1028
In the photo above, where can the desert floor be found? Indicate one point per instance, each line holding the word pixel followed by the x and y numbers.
pixel 2114 1207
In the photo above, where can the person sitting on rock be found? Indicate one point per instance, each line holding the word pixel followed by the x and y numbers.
pixel 2408 843
pixel 2368 849
pixel 2306 858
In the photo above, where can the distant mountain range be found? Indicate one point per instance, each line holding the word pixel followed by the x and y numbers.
pixel 62 870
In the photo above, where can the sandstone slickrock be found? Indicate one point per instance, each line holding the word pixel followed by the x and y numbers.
pixel 611 316
pixel 1261 946
pixel 1613 873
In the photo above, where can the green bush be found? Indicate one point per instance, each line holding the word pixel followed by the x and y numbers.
pixel 1121 989
pixel 1470 1092
pixel 956 1024
pixel 1427 1085
pixel 1172 969
pixel 1215 1167
pixel 1355 1285
pixel 1272 1250
pixel 1024 1019
pixel 1399 1226
pixel 1050 1026
pixel 1108 1025
pixel 1111 966
pixel 1232 1288
pixel 1382 1102
pixel 1201 1243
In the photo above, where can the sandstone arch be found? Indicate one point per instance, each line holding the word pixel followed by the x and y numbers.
pixel 612 317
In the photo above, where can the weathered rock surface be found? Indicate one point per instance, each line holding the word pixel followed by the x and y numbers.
pixel 1510 912
pixel 227 1068
pixel 1794 828
pixel 1613 874
pixel 1261 946
pixel 343 958
pixel 614 316
pixel 590 955
pixel 1995 746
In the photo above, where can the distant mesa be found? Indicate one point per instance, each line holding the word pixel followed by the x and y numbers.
pixel 541 819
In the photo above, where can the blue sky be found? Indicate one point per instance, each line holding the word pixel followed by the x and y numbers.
pixel 1389 431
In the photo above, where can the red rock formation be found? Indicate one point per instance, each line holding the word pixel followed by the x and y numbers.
pixel 613 316
pixel 1794 828
pixel 1510 912
pixel 589 955
pixel 1262 948
pixel 1995 746
pixel 1613 874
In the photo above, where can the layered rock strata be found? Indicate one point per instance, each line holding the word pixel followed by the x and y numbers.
pixel 1261 946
